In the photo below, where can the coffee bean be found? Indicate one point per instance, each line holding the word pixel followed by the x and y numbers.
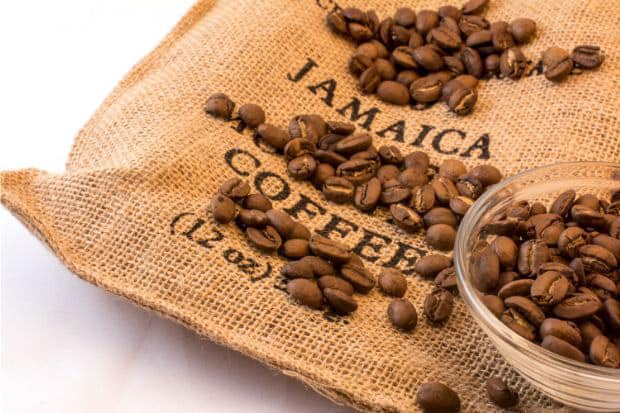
pixel 367 195
pixel 298 147
pixel 570 240
pixel 449 11
pixel 440 236
pixel 602 286
pixel 589 331
pixel 252 115
pixel 405 17
pixel 359 62
pixel 491 64
pixel 494 304
pixel 609 243
pixel 426 89
pixel 386 70
pixel 426 20
pixel 469 186
pixel 486 174
pixel 519 324
pixel 471 24
pixel 335 283
pixel 597 259
pixel 436 397
pixel 565 330
pixel 353 144
pixel 532 254
pixel 319 266
pixel 402 314
pixel 393 192
pixel 452 169
pixel 407 77
pixel 563 203
pixel 329 249
pixel 430 265
pixel 462 101
pixel 428 58
pixel 358 276
pixel 390 155
pixel 506 250
pixel 589 201
pixel 513 63
pixel 297 269
pixel 444 189
pixel 392 282
pixel 406 218
pixel 337 22
pixel 393 92
pixel 252 218
pixel 558 63
pixel 474 6
pixel 546 227
pixel 500 394
pixel 235 189
pixel 480 39
pixel 614 228
pixel 354 14
pixel 438 305
pixel 549 288
pixel 446 38
pixel 329 157
pixel 369 80
pixel 446 279
pixel 485 268
pixel 309 127
pixel 417 160
pixel 295 248
pixel 587 217
pixel 257 201
pixel 265 239
pixel 305 292
pixel 563 348
pixel 588 57
pixel 322 172
pixel 399 35
pixel 520 287
pixel 522 30
pixel 220 106
pixel 356 171
pixel 403 57
pixel 281 221
pixel 502 39
pixel 223 209
pixel 611 309
pixel 340 128
pixel 339 190
pixel 440 215
pixel 527 308
pixel 302 168
pixel 413 177
pixel 472 61
pixel 423 199
pixel 367 49
pixel 359 32
pixel 341 302
pixel 299 231
pixel 604 353
pixel 577 306
pixel 454 65
pixel 506 277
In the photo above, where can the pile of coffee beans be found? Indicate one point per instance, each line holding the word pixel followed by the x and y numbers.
pixel 553 275
pixel 431 56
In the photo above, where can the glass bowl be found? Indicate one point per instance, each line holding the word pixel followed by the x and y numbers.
pixel 580 385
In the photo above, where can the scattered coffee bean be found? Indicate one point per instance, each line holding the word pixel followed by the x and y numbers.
pixel 500 394
pixel 438 305
pixel 440 236
pixel 430 265
pixel 220 106
pixel 341 302
pixel 434 397
pixel 252 115
pixel 402 314
pixel 392 282
pixel 587 57
pixel 223 209
pixel 335 283
pixel 252 218
pixel 265 239
pixel 305 292
pixel 558 63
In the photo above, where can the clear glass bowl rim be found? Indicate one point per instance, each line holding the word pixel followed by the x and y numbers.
pixel 483 315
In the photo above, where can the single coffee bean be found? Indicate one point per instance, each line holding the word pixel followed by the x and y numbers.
pixel 546 227
pixel 436 397
pixel 602 286
pixel 519 324
pixel 549 288
pixel 609 243
pixel 309 127
pixel 353 144
pixel 563 348
pixel 299 231
pixel 356 171
pixel 491 64
pixel 297 269
pixel 257 201
pixel 406 218
pixel 501 226
pixel 302 168
pixel 329 157
pixel 440 215
pixel 335 283
pixel 386 70
pixel 438 305
pixel 367 49
pixel 359 62
pixel 298 147
pixel 265 239
pixel 359 32
pixel 235 188
pixel 471 24
pixel 405 17
pixel 558 63
pixel 611 309
pixel 272 135
pixel 426 89
pixel 220 106
pixel 494 304
pixel 369 80
pixel 454 65
pixel 403 56
pixel 423 199
pixel 370 154
pixel 305 292
pixel 570 240
pixel 340 128
pixel 480 39
pixel 446 279
pixel 452 169
pixel 587 217
pixel 319 266
pixel 402 314
pixel 252 218
pixel 520 287
pixel 614 229
pixel 358 276
pixel 393 92
pixel 337 22
pixel 400 35
pixel 506 277
pixel 444 189
pixel 588 57
pixel 223 209
pixel 472 61
pixel 329 249
pixel 430 265
pixel 565 330
pixel 604 353
pixel 322 172
pixel 500 394
pixel 589 331
pixel 413 177
pixel 390 154
pixel 428 58
pixel 469 186
pixel 462 101
pixel 388 172
pixel 502 39
pixel 354 14
pixel 449 11
pixel 474 6
pixel 295 248
pixel 281 221
pixel 513 63
pixel 339 190
pixel 440 236
pixel 446 38
pixel 532 254
pixel 407 77
pixel 328 141
pixel 486 174
pixel 597 259
pixel 417 160
pixel 522 30
pixel 577 307
pixel 563 203
pixel 588 200
pixel 252 115
pixel 527 308
pixel 394 192
pixel 506 250
pixel 426 20
pixel 367 195
pixel 392 282
pixel 341 302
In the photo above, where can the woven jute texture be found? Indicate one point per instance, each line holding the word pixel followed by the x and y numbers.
pixel 130 213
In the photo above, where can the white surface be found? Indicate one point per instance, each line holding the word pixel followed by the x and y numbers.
pixel 66 345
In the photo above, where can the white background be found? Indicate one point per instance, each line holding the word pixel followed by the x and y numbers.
pixel 66 345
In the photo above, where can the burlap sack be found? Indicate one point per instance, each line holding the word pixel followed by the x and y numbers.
pixel 130 214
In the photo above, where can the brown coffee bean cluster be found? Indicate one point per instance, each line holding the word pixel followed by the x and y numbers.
pixel 431 56
pixel 553 275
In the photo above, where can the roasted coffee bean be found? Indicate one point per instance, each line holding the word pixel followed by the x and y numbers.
pixel 322 172
pixel 570 240
pixel 506 277
pixel 335 283
pixel 469 186
pixel 235 189
pixel 358 63
pixel 298 147
pixel 265 239
pixel 305 292
pixel 549 288
pixel 500 394
pixel 341 302
pixel 502 39
pixel 354 14
pixel 494 304
pixel 328 141
pixel 587 217
pixel 299 231
pixel 589 331
pixel 407 219
pixel 223 209
pixel 445 38
pixel 359 277
pixel 485 269
pixel 434 397
pixel 319 266
pixel 486 174
pixel 340 128
pixel 604 353
pixel 577 306
pixel 427 58
pixel 426 89
pixel 390 154
pixel 329 157
pixel 474 6
pixel 491 64
pixel 438 305
pixel 446 279
pixel 462 101
pixel 369 80
pixel 454 65
pixel 609 243
pixel 472 61
pixel 252 218
pixel 339 190
pixel 527 308
pixel 597 259
pixel 384 31
pixel 393 92
pixel 444 189
pixel 281 221
pixel 272 135
pixel 519 324
pixel 370 154
pixel 257 201
pixel 513 63
pixel 558 63
pixel 588 200
pixel 611 309
pixel 296 248
pixel 452 169
pixel 565 330
pixel 430 265
pixel 562 348
pixel 450 11
pixel 417 160
pixel 392 282
pixel 522 30
pixel 440 236
pixel 388 172
pixel 403 56
pixel 402 314
pixel 297 269
pixel 532 254
pixel 563 203
pixel 440 215
pixel 310 127
pixel 302 168
pixel 413 177
pixel 614 228
pixel 337 22
pixel 353 144
pixel 359 32
pixel 394 192
pixel 602 286
pixel 546 227
pixel 506 226
pixel 480 39
pixel 450 23
pixel 406 77
pixel 357 171
pixel 423 199
pixel 367 49
pixel 329 249
pixel 405 17
pixel 399 35
pixel 252 115
pixel 520 287
pixel 588 57
pixel 472 24
pixel 506 250
pixel 426 20
pixel 367 195
pixel 220 106
pixel 386 70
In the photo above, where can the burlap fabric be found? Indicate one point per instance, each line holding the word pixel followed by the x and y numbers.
pixel 130 214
